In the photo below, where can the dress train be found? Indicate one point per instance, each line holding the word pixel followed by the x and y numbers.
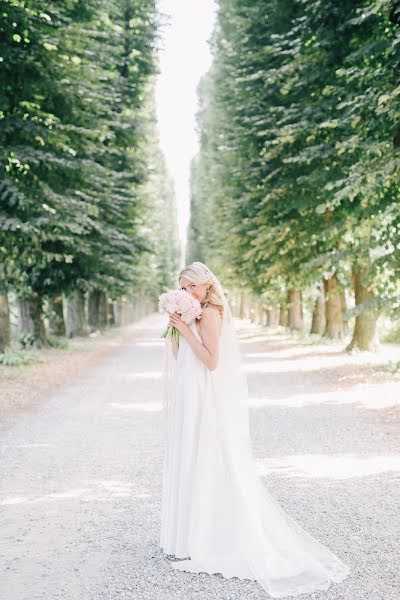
pixel 216 513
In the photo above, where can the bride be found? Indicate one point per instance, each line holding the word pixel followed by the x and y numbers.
pixel 216 513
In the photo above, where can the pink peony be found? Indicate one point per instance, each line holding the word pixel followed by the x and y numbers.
pixel 181 302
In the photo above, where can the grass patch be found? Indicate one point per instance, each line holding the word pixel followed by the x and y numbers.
pixel 58 342
pixel 393 366
pixel 16 358
pixel 392 337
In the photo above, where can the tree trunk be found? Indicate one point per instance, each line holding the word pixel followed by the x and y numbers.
pixel 319 318
pixel 344 309
pixel 261 314
pixel 139 305
pixel 269 317
pixel 98 310
pixel 103 313
pixel 241 305
pixel 235 306
pixel 119 314
pixel 37 314
pixel 250 308
pixel 76 314
pixel 5 329
pixel 93 310
pixel 364 336
pixel 283 315
pixel 275 315
pixel 56 316
pixel 334 328
pixel 111 313
pixel 295 309
pixel 32 330
pixel 26 329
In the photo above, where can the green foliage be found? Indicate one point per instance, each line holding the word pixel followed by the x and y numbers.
pixel 74 152
pixel 159 214
pixel 71 174
pixel 392 334
pixel 298 165
pixel 393 367
pixel 26 340
pixel 17 358
pixel 58 342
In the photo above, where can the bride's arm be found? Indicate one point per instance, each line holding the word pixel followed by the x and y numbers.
pixel 208 351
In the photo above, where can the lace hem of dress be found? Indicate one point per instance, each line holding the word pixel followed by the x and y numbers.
pixel 278 590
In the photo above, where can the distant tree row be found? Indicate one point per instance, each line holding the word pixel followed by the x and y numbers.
pixel 84 190
pixel 296 188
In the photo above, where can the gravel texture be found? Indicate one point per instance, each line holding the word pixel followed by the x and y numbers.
pixel 24 388
pixel 81 475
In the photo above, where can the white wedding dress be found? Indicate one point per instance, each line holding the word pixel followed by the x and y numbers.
pixel 216 513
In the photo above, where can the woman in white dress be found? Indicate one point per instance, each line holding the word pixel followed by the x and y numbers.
pixel 216 513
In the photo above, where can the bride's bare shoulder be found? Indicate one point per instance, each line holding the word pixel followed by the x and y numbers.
pixel 212 309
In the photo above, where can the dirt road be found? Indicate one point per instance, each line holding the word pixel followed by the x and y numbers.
pixel 81 475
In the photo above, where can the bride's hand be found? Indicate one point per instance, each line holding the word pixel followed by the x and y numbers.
pixel 176 321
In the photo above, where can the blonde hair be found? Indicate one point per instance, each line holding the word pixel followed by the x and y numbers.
pixel 197 272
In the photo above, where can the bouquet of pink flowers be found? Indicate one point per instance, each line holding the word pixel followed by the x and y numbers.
pixel 181 302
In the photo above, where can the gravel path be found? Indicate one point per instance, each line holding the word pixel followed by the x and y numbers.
pixel 81 475
pixel 26 387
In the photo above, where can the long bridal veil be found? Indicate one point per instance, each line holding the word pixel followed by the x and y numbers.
pixel 238 528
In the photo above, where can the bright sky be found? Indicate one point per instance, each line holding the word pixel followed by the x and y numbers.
pixel 184 57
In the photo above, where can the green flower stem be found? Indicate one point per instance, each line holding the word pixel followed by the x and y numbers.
pixel 174 335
